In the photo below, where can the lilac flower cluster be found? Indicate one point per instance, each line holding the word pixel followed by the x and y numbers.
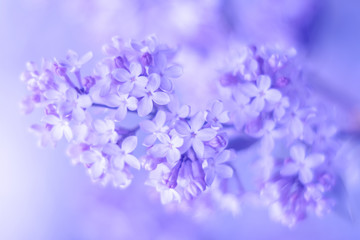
pixel 263 97
pixel 89 111
pixel 269 101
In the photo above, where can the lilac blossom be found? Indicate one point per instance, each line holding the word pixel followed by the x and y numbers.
pixel 169 148
pixel 121 155
pixel 217 167
pixel 156 127
pixel 263 106
pixel 130 78
pixel 60 127
pixel 151 94
pixel 302 164
pixel 194 134
pixel 261 92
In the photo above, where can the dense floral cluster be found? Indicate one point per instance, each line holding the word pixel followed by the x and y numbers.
pixel 269 101
pixel 133 78
pixel 262 96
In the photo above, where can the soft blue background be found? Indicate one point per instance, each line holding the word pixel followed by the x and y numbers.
pixel 42 196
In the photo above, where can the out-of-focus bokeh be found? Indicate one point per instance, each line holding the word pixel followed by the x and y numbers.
pixel 42 196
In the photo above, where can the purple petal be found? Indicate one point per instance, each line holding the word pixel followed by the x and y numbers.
pixel 57 132
pixel 100 126
pixel 297 153
pixel 132 103
pixel 206 134
pixel 173 72
pixel 177 141
pixel 135 69
pixel 120 113
pixel 198 147
pixel 51 119
pixel 145 106
pixel 68 133
pixel 258 104
pixel 173 155
pixel 78 114
pixel 97 169
pixel 160 61
pixel 197 121
pixel 129 144
pixel 224 117
pixel 119 162
pixel 89 157
pixel 224 156
pixel 182 128
pixel 126 87
pixel 296 127
pixel 154 82
pixel 87 57
pixel 166 84
pixel 314 160
pixel 249 89
pixel 158 150
pixel 184 111
pixel 84 101
pixel 217 108
pixel 263 82
pixel 160 119
pixel 273 95
pixel 121 75
pixel 210 176
pixel 224 171
pixel 141 82
pixel 289 169
pixel 305 175
pixel 161 98
pixel 149 140
pixel 148 126
pixel 132 161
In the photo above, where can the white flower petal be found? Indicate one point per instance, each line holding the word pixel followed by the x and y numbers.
pixel 173 71
pixel 129 144
pixel 132 103
pixel 68 133
pixel 197 121
pixel 57 132
pixel 145 106
pixel 184 111
pixel 132 161
pixel 84 101
pixel 51 119
pixel 273 95
pixel 249 89
pixel 148 126
pixel 198 147
pixel 206 134
pixel 154 82
pixel 161 98
pixel 135 69
pixel 263 82
pixel 173 155
pixel 121 75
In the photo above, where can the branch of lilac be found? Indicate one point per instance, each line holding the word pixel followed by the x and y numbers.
pixel 263 106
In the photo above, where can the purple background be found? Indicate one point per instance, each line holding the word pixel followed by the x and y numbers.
pixel 42 196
